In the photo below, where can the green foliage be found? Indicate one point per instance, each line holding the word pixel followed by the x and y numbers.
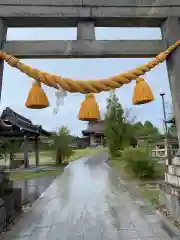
pixel 129 138
pixel 119 131
pixel 146 131
pixel 139 162
pixel 62 142
pixel 114 124
pixel 152 195
pixel 10 146
pixel 13 146
pixel 172 130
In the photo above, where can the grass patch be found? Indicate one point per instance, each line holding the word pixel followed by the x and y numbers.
pixel 27 174
pixel 119 166
pixel 161 169
pixel 151 195
pixel 142 190
pixel 46 158
pixel 47 153
pixel 79 153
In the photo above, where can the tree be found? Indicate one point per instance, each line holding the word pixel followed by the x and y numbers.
pixel 12 146
pixel 146 131
pixel 114 124
pixel 129 132
pixel 150 130
pixel 62 146
pixel 121 130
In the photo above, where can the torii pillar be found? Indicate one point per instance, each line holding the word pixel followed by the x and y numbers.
pixel 171 33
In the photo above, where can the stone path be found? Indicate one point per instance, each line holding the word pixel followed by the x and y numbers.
pixel 87 203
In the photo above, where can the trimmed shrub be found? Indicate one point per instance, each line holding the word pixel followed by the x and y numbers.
pixel 139 162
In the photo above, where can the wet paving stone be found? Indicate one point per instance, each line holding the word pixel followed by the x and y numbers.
pixel 87 202
pixel 33 188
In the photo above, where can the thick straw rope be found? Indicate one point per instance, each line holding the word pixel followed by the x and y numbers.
pixel 91 86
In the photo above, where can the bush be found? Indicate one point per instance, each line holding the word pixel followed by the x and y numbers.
pixel 62 145
pixel 139 162
pixel 63 154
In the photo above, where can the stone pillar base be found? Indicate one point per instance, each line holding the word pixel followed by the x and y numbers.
pixel 10 199
pixel 170 190
pixel 169 198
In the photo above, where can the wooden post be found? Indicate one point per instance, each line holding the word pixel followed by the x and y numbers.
pixel 36 143
pixel 26 157
pixel 3 33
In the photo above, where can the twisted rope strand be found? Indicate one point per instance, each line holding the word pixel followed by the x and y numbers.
pixel 90 86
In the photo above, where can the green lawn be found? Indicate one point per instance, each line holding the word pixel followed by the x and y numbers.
pixel 47 158
pixel 25 175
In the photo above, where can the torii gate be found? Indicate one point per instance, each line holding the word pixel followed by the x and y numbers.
pixel 86 15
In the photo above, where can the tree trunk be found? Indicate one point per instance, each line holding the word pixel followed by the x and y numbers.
pixel 11 158
pixel 5 158
pixel 58 157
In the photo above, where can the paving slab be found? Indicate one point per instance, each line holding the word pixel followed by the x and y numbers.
pixel 87 202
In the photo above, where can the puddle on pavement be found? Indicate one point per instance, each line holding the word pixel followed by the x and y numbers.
pixel 33 188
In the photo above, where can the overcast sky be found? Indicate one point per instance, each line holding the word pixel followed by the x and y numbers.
pixel 16 85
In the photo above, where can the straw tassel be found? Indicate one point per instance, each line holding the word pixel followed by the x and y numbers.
pixel 89 110
pixel 37 98
pixel 142 92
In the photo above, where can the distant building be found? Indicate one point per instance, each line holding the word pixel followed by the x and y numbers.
pixel 95 133
pixel 15 127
